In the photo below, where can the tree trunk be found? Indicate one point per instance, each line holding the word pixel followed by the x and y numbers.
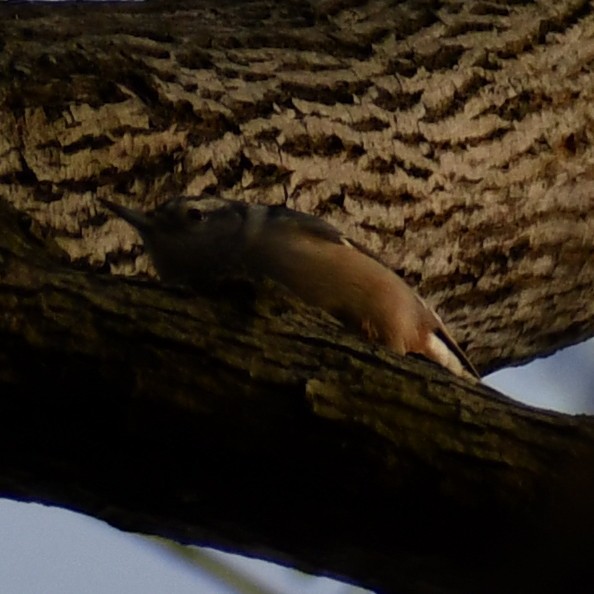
pixel 451 139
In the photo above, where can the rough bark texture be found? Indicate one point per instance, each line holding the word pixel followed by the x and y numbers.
pixel 453 139
pixel 258 426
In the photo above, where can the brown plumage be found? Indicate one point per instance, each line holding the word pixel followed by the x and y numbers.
pixel 195 241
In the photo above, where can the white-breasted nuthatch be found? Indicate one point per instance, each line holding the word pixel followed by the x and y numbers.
pixel 198 241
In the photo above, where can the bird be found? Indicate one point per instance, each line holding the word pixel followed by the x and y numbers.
pixel 196 241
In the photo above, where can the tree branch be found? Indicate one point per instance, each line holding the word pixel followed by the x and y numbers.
pixel 452 139
pixel 255 424
pixel 442 137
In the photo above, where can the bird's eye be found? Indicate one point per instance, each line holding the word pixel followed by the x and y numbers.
pixel 195 215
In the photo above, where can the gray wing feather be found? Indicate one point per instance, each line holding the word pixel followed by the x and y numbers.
pixel 307 224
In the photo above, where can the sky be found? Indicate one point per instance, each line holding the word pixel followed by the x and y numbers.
pixel 563 382
pixel 48 550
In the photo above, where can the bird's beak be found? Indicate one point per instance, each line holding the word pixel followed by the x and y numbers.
pixel 137 219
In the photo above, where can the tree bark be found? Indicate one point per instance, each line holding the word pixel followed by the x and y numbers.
pixel 257 425
pixel 452 139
